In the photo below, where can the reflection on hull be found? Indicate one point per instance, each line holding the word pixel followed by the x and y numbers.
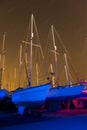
pixel 31 97
pixel 65 92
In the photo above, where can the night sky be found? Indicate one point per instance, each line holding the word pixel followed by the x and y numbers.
pixel 68 17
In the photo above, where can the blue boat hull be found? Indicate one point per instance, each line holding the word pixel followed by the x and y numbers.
pixel 3 94
pixel 32 96
pixel 65 92
pixel 83 95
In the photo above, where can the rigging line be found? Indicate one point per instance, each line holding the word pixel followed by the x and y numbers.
pixel 0 60
pixel 55 49
pixel 73 67
pixel 27 36
pixel 50 38
pixel 47 44
pixel 46 52
pixel 40 45
pixel 20 64
pixel 3 57
pixel 38 41
pixel 40 51
pixel 37 34
pixel 26 69
pixel 84 47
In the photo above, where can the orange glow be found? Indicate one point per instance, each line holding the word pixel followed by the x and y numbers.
pixel 69 19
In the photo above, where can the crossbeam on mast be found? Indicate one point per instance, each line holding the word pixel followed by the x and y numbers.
pixel 36 45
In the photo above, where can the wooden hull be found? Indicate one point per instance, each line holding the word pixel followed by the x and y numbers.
pixel 65 92
pixel 32 96
pixel 3 94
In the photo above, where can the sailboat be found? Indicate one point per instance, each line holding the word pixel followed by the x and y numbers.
pixel 31 96
pixel 3 92
pixel 66 91
pixel 83 95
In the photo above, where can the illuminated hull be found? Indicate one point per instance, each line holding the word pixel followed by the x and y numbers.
pixel 3 94
pixel 83 95
pixel 32 96
pixel 65 92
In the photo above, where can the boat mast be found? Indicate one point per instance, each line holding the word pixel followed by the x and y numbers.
pixel 37 72
pixel 55 49
pixel 72 65
pixel 20 63
pixel 30 82
pixel 8 81
pixel 25 65
pixel 67 70
pixel 0 72
pixel 2 58
pixel 31 45
pixel 53 82
pixel 15 77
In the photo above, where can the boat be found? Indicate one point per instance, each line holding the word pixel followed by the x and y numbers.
pixel 67 91
pixel 83 95
pixel 31 96
pixel 80 101
pixel 3 92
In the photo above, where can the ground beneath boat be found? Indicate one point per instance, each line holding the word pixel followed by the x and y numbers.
pixel 46 121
